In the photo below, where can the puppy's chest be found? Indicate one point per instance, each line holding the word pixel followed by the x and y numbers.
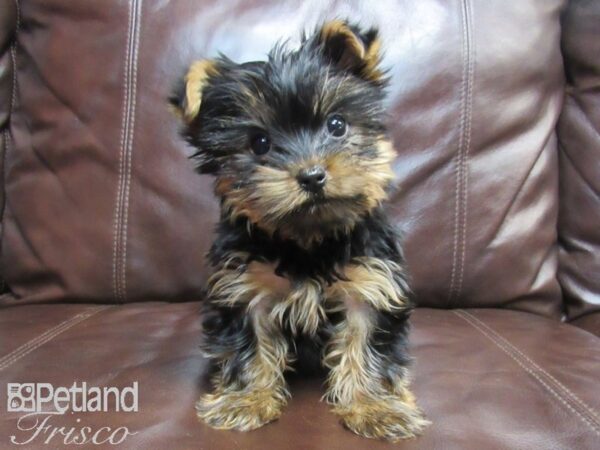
pixel 298 303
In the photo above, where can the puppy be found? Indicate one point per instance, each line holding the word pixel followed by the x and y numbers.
pixel 308 271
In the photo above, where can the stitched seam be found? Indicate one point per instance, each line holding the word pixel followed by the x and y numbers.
pixel 13 54
pixel 46 337
pixel 126 149
pixel 458 160
pixel 137 26
pixel 34 343
pixel 117 219
pixel 466 317
pixel 124 154
pixel 467 143
pixel 117 292
pixel 591 413
pixel 529 370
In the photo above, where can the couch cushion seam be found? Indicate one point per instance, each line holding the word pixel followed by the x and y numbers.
pixel 469 111
pixel 135 50
pixel 126 141
pixel 459 239
pixel 47 336
pixel 120 170
pixel 457 173
pixel 593 415
pixel 13 53
pixel 584 417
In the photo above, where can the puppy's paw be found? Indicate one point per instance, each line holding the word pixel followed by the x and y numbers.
pixel 390 418
pixel 241 410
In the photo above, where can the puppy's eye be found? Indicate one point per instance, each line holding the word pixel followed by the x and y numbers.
pixel 260 143
pixel 336 125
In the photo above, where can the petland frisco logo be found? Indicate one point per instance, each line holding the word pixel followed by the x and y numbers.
pixel 41 402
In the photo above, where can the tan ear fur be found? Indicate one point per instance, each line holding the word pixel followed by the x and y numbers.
pixel 356 53
pixel 195 80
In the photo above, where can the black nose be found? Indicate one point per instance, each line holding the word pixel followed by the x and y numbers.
pixel 312 179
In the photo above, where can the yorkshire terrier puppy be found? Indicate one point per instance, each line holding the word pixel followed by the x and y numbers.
pixel 307 267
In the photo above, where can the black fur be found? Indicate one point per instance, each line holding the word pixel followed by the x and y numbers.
pixel 374 236
pixel 289 100
pixel 291 83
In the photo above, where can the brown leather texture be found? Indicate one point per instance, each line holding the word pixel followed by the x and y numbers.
pixel 8 22
pixel 105 223
pixel 103 204
pixel 487 378
pixel 579 136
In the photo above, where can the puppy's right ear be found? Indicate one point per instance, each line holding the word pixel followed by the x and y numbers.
pixel 187 96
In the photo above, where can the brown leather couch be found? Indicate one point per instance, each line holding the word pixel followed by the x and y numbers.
pixel 495 113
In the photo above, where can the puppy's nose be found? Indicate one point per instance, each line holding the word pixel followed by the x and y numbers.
pixel 312 179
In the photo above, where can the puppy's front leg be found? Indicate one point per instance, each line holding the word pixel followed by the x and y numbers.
pixel 367 354
pixel 247 349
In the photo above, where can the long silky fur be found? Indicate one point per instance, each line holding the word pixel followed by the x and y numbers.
pixel 302 281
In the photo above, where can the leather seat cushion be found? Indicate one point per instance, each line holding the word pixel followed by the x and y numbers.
pixel 486 378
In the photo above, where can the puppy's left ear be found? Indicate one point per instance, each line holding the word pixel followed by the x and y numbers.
pixel 349 48
pixel 187 97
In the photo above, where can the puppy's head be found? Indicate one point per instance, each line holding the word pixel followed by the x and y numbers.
pixel 297 143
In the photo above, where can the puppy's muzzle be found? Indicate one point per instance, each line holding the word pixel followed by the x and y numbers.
pixel 312 179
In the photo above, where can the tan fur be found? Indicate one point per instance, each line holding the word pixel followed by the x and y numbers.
pixel 224 185
pixel 263 275
pixel 271 194
pixel 371 280
pixel 365 403
pixel 351 176
pixel 389 417
pixel 347 360
pixel 195 79
pixel 236 283
pixel 335 28
pixel 239 410
pixel 264 392
pixel 372 59
pixel 257 284
pixel 356 52
pixel 302 308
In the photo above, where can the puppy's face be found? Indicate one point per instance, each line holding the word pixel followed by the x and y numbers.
pixel 297 143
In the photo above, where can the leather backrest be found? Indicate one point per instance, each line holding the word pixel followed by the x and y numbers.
pixel 103 203
pixel 8 24
pixel 579 136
